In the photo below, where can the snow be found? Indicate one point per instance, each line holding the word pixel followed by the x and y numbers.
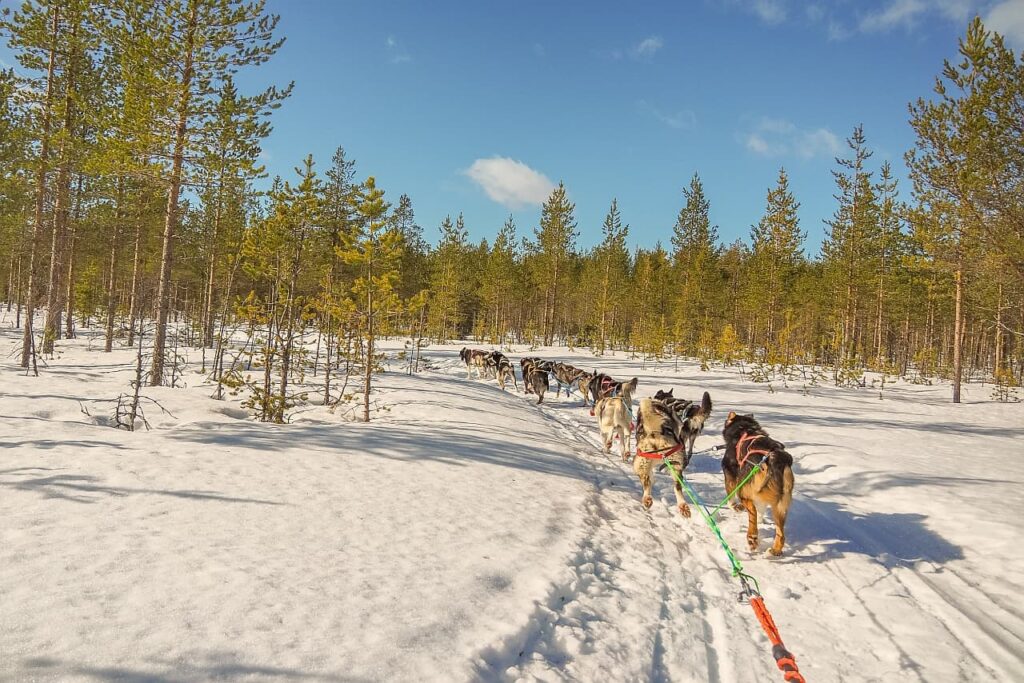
pixel 469 534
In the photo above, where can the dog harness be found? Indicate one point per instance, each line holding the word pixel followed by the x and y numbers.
pixel 749 439
pixel 659 454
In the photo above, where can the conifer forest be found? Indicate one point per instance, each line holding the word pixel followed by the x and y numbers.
pixel 133 201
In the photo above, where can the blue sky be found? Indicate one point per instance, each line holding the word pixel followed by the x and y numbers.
pixel 478 106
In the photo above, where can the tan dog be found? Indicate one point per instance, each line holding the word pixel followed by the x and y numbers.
pixel 613 420
pixel 748 446
pixel 659 439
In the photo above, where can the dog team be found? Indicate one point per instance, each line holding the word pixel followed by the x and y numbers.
pixel 666 428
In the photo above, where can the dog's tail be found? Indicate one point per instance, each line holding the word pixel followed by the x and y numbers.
pixel 705 405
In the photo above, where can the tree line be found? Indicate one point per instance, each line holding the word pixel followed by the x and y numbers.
pixel 129 164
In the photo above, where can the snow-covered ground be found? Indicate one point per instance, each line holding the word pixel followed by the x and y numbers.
pixel 468 534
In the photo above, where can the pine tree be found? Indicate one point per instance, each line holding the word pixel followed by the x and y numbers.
pixel 197 45
pixel 965 166
pixel 414 272
pixel 613 265
pixel 374 250
pixel 498 285
pixel 446 281
pixel 847 244
pixel 775 252
pixel 554 246
pixel 695 261
pixel 35 33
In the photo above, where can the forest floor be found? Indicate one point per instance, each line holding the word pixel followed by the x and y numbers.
pixel 469 534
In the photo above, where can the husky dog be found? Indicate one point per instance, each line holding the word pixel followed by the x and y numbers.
pixel 603 386
pixel 613 420
pixel 658 439
pixel 492 360
pixel 506 371
pixel 528 365
pixel 536 381
pixel 566 375
pixel 584 385
pixel 692 416
pixel 748 446
pixel 473 358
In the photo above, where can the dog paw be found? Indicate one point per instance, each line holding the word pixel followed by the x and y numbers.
pixel 648 502
pixel 752 543
pixel 684 510
pixel 738 508
pixel 775 553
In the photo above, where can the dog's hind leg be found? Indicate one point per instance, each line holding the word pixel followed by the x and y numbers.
pixel 779 511
pixel 751 523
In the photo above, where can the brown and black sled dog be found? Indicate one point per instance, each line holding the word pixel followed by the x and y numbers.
pixel 748 446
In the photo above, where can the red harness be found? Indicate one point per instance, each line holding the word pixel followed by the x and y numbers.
pixel 749 439
pixel 660 454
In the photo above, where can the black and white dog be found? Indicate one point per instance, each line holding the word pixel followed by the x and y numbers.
pixel 692 416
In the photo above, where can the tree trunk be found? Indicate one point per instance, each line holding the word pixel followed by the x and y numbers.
pixel 58 245
pixel 136 294
pixel 27 346
pixel 958 334
pixel 171 214
pixel 69 298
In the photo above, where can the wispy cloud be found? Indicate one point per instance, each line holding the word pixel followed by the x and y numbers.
pixel 683 119
pixel 397 54
pixel 510 182
pixel 781 138
pixel 896 13
pixel 770 11
pixel 647 47
pixel 538 50
pixel 1007 18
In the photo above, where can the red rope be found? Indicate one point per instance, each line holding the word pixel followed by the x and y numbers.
pixel 783 657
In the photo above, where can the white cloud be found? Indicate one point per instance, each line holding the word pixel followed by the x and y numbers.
pixel 646 48
pixel 509 182
pixel 539 50
pixel 1007 18
pixel 781 138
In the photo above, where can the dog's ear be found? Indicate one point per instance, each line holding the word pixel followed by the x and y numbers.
pixel 669 392
pixel 633 382
pixel 730 417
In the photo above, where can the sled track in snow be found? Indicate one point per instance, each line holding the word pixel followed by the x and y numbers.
pixel 639 570
pixel 992 639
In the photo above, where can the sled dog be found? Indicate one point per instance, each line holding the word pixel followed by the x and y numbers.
pixel 691 415
pixel 658 439
pixel 748 446
pixel 613 419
